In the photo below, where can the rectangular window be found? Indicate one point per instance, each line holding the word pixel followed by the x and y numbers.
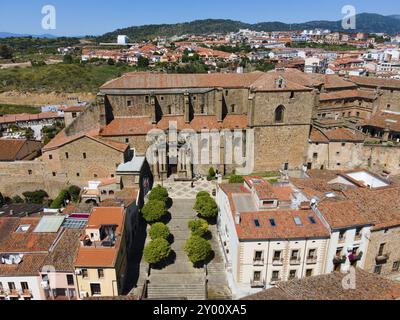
pixel 85 274
pixel 74 115
pixel 24 286
pixel 84 155
pixel 378 269
pixel 257 223
pixel 129 103
pixel 67 155
pixel 342 235
pixel 312 253
pixel 309 273
pixel 258 255
pixel 30 172
pixel 257 276
pixel 396 266
pixel 11 285
pixel 312 220
pixel 315 156
pixel 70 279
pixel 100 273
pixel 272 222
pixel 292 274
pixel 95 288
pixel 381 249
pixel 275 276
pixel 50 157
pixel 277 255
pixel 54 174
pixel 295 255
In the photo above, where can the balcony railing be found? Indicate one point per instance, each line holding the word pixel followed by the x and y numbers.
pixel 258 262
pixel 382 259
pixel 295 261
pixel 277 262
pixel 312 260
pixel 257 284
pixel 339 260
pixel 2 293
pixel 275 280
pixel 26 293
pixel 13 293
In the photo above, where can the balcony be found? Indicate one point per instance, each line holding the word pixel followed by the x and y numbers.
pixel 382 259
pixel 258 262
pixel 355 257
pixel 2 293
pixel 275 280
pixel 312 260
pixel 277 262
pixel 257 284
pixel 339 260
pixel 26 293
pixel 295 261
pixel 13 293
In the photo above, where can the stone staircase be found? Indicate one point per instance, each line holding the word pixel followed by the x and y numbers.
pixel 217 285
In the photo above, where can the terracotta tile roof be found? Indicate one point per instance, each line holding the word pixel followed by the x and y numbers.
pixel 384 120
pixel 30 266
pixel 379 206
pixel 147 80
pixel 102 256
pixel 23 242
pixel 330 287
pixel 342 213
pixel 336 135
pixel 285 228
pixel 376 82
pixel 142 125
pixel 62 139
pixel 348 94
pixel 63 255
pixel 317 187
pixel 326 175
pixel 9 149
pixel 23 117
pixel 267 82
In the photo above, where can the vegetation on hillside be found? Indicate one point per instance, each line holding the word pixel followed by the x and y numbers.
pixel 17 109
pixel 329 47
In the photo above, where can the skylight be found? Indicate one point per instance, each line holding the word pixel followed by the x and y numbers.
pixel 312 220
pixel 23 228
pixel 257 223
pixel 272 222
pixel 297 221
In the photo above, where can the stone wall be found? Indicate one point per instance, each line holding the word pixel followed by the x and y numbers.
pixel 82 160
pixel 391 239
pixel 21 176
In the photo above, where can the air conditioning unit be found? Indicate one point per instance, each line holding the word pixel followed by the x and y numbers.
pixel 78 272
pixel 44 284
pixel 84 295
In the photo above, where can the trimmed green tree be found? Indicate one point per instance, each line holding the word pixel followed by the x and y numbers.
pixel 198 249
pixel 159 231
pixel 17 199
pixel 206 207
pixel 199 227
pixel 157 251
pixel 74 192
pixel 59 201
pixel 36 197
pixel 153 211
pixel 159 193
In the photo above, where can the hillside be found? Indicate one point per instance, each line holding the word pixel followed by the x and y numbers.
pixel 366 22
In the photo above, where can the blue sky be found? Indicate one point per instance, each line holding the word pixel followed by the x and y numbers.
pixel 81 17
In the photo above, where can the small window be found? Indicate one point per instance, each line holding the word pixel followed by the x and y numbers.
pixel 54 174
pixel 388 107
pixel 129 103
pixel 292 95
pixel 84 155
pixel 147 99
pixel 257 223
pixel 30 172
pixel 309 273
pixel 226 92
pixel 50 156
pixel 85 274
pixel 202 109
pixel 169 110
pixel 292 274
pixel 66 155
pixel 312 220
pixel 95 175
pixel 74 115
pixel 343 144
pixel 78 174
pixel 162 98
pixel 275 275
pixel 233 108
pixel 315 156
pixel 378 269
pixel 100 273
pixel 382 249
pixel 279 114
pixel 127 140
pixel 272 222
pixel 396 266
pixel 70 279
pixel 295 254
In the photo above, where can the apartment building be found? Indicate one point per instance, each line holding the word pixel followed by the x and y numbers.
pixel 268 235
pixel 101 261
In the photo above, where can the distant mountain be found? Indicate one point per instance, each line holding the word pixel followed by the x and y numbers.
pixel 366 22
pixel 15 35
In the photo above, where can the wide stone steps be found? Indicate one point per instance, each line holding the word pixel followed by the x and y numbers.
pixel 176 291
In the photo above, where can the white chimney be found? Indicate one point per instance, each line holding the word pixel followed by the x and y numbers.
pixel 237 217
